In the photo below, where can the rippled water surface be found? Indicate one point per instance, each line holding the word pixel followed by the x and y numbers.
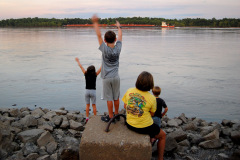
pixel 197 69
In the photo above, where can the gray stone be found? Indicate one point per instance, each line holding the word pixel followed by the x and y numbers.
pixel 24 113
pixel 172 123
pixel 212 135
pixel 46 127
pixel 25 109
pixel 51 147
pixel 235 136
pixel 29 147
pixel 30 135
pixel 29 121
pixel 118 142
pixel 49 115
pixel 190 126
pixel 178 135
pixel 57 120
pixel 61 112
pixel 184 143
pixel 37 113
pixel 69 149
pixel 226 131
pixel 183 118
pixel 179 121
pixel 189 158
pixel 171 144
pixel 14 112
pixel 65 123
pixel 45 157
pixel 235 121
pixel 45 138
pixel 32 156
pixel 226 122
pixel 76 125
pixel 194 149
pixel 54 156
pixel 222 156
pixel 236 127
pixel 211 144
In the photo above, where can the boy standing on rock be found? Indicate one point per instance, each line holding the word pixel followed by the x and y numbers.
pixel 110 65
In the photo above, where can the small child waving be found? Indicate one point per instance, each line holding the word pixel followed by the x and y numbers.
pixel 90 78
pixel 160 104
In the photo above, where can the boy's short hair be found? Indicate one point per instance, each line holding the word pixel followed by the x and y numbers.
pixel 145 81
pixel 110 36
pixel 156 90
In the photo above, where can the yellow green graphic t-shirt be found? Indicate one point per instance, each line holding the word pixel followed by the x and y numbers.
pixel 139 104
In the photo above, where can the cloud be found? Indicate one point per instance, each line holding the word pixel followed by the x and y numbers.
pixel 119 8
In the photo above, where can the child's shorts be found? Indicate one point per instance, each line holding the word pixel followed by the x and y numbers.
pixel 111 89
pixel 152 130
pixel 157 121
pixel 90 94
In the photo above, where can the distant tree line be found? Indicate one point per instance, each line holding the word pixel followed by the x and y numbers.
pixel 186 22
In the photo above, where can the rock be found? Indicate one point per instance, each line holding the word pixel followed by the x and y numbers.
pixel 171 144
pixel 222 156
pixel 24 113
pixel 57 120
pixel 184 143
pixel 61 112
pixel 236 127
pixel 54 156
pixel 226 131
pixel 46 127
pixel 235 121
pixel 190 126
pixel 49 115
pixel 30 135
pixel 69 149
pixel 37 113
pixel 178 135
pixel 29 121
pixel 25 109
pixel 172 123
pixel 45 138
pixel 235 155
pixel 183 118
pixel 14 112
pixel 45 157
pixel 163 124
pixel 28 148
pixel 32 156
pixel 189 158
pixel 211 144
pixel 51 147
pixel 65 123
pixel 179 121
pixel 226 122
pixel 76 126
pixel 235 136
pixel 194 149
pixel 212 135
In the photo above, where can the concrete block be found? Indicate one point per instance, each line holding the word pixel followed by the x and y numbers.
pixel 119 143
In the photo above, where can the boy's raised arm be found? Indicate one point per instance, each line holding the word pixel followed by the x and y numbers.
pixel 97 29
pixel 119 31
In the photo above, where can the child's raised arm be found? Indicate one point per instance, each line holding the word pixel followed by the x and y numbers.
pixel 119 31
pixel 83 70
pixel 97 29
pixel 99 70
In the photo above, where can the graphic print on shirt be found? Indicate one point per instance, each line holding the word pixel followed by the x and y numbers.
pixel 135 104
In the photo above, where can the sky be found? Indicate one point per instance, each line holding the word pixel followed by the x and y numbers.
pixel 169 9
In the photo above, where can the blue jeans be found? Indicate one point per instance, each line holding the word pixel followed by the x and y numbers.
pixel 157 121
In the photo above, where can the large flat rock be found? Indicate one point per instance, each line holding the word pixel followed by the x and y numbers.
pixel 119 143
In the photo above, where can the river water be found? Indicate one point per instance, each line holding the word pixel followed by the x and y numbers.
pixel 197 68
